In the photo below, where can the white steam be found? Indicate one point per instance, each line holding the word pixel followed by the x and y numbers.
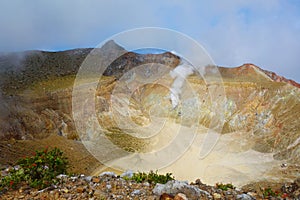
pixel 180 73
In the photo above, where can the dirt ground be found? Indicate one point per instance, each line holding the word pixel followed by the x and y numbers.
pixel 80 160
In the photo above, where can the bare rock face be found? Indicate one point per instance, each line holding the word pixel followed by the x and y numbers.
pixel 175 187
pixel 130 60
pixel 260 110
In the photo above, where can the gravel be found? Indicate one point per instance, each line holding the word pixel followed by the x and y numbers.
pixel 110 186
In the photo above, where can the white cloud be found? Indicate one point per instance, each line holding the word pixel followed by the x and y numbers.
pixel 58 24
pixel 266 33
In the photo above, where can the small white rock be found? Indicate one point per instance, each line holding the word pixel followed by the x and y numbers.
pixel 136 192
pixel 88 178
pixel 112 174
pixel 217 196
pixel 61 176
pixel 73 178
pixel 127 174
pixel 108 187
pixel 244 197
pixel 146 184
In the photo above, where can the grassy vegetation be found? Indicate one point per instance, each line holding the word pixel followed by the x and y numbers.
pixel 224 187
pixel 38 171
pixel 52 84
pixel 269 193
pixel 125 141
pixel 152 177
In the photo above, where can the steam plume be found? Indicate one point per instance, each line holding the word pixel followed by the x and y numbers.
pixel 180 73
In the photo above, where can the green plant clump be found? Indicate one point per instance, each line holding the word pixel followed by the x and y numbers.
pixel 152 177
pixel 268 192
pixel 38 171
pixel 224 187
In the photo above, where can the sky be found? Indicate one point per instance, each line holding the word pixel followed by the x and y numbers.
pixel 263 32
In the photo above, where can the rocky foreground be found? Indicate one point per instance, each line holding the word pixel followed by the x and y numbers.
pixel 110 186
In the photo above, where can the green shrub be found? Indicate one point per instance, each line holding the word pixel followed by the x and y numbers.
pixel 224 187
pixel 39 170
pixel 268 192
pixel 152 177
